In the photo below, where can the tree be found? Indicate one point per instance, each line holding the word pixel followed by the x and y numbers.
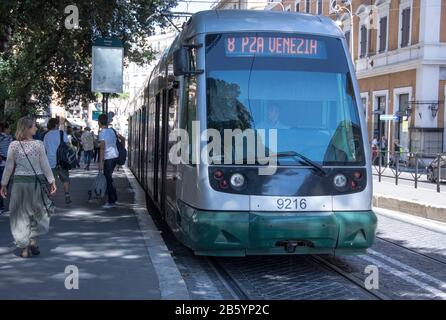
pixel 47 61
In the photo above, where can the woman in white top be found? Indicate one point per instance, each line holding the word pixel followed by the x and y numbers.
pixel 29 215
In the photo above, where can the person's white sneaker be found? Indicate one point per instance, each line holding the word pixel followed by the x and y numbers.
pixel 108 206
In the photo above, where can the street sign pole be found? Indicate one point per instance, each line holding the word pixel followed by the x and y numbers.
pixel 388 144
pixel 103 102
pixel 389 118
pixel 106 103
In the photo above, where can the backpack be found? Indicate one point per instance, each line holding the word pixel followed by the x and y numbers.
pixel 98 187
pixel 66 156
pixel 74 141
pixel 121 150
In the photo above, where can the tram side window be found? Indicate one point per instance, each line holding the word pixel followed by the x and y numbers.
pixel 190 108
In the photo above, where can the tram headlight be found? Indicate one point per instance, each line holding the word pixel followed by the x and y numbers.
pixel 340 181
pixel 237 180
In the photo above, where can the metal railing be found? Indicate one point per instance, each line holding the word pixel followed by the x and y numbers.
pixel 409 166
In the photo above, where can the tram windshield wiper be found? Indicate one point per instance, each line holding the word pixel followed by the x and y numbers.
pixel 289 154
pixel 283 154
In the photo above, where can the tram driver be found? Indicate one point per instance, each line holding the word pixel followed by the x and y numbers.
pixel 273 118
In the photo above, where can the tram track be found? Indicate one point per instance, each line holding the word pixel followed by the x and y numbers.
pixel 354 280
pixel 228 276
pixel 440 261
pixel 227 280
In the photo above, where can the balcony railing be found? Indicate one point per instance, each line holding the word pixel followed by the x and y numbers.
pixel 388 58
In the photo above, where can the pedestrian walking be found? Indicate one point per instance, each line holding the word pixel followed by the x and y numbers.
pixel 87 140
pixel 39 133
pixel 375 141
pixel 74 143
pixel 78 136
pixel 108 157
pixel 96 147
pixel 375 150
pixel 5 140
pixel 30 207
pixel 383 149
pixel 52 141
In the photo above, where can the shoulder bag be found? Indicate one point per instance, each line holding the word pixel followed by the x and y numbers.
pixel 44 186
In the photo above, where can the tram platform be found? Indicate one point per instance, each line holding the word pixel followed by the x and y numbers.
pixel 423 201
pixel 118 252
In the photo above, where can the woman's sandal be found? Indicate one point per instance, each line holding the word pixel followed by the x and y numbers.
pixel 25 253
pixel 34 250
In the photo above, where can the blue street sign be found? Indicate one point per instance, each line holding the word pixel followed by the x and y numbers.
pixel 388 117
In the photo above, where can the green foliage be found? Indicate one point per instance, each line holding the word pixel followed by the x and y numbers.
pixel 47 61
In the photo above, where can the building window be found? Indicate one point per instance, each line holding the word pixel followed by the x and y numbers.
pixel 378 125
pixel 332 6
pixel 364 105
pixel 382 34
pixel 319 7
pixel 307 6
pixel 297 6
pixel 427 141
pixel 405 27
pixel 347 38
pixel 401 133
pixel 288 8
pixel 363 43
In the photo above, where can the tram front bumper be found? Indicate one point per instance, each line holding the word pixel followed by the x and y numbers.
pixel 223 233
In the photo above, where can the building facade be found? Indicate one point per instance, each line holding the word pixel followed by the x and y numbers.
pixel 244 4
pixel 399 51
pixel 135 75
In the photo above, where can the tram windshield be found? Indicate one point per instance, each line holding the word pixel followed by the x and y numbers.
pixel 299 85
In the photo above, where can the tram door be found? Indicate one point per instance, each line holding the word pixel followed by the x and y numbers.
pixel 157 147
pixel 161 161
pixel 171 169
pixel 143 147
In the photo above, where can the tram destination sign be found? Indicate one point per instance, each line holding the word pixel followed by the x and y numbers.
pixel 286 47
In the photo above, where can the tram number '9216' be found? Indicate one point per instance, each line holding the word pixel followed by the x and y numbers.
pixel 291 204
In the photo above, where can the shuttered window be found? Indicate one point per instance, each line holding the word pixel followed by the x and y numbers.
pixel 347 38
pixel 298 7
pixel 307 6
pixel 319 7
pixel 382 34
pixel 363 42
pixel 405 27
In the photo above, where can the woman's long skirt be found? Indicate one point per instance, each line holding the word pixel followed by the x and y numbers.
pixel 28 215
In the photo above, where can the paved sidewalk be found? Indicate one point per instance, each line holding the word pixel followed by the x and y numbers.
pixel 422 202
pixel 119 252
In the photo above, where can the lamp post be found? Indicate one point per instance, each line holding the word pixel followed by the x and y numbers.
pixel 338 9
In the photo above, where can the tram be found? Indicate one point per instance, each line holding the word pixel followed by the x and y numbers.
pixel 288 73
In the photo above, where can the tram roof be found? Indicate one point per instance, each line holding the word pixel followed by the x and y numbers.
pixel 213 21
